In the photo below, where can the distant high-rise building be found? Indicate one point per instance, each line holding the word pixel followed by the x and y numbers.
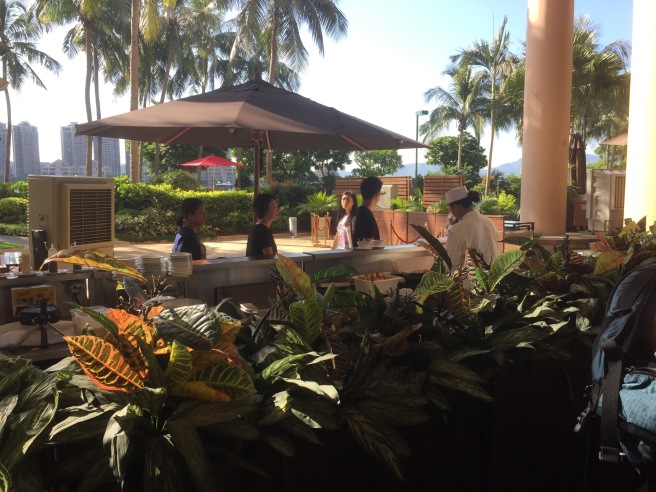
pixel 74 154
pixel 26 150
pixel 111 156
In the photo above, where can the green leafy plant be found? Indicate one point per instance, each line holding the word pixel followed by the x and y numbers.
pixel 318 203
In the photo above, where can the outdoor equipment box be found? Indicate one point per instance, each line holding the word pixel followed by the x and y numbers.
pixel 26 296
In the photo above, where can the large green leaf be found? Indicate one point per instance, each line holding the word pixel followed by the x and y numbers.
pixel 27 431
pixel 179 367
pixel 9 381
pixel 81 423
pixel 402 410
pixel 36 392
pixel 7 405
pixel 508 339
pixel 315 412
pixel 608 261
pixel 285 367
pixel 352 298
pixel 433 283
pixel 333 272
pixel 123 437
pixel 295 277
pixel 94 258
pixel 503 265
pixel 307 316
pixel 368 434
pixel 434 243
pixel 325 390
pixel 240 428
pixel 5 479
pixel 555 263
pixel 297 427
pixel 275 408
pixel 465 385
pixel 197 326
pixel 278 440
pixel 202 414
pixel 187 441
pixel 104 321
pixel 455 369
pixel 164 468
pixel 226 376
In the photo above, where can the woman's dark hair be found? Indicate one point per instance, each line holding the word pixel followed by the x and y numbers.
pixel 342 212
pixel 189 206
pixel 261 204
pixel 473 196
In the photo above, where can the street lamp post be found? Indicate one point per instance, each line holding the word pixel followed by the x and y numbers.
pixel 419 113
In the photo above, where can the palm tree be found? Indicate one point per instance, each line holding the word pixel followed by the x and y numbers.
pixel 463 103
pixel 18 36
pixel 600 86
pixel 496 62
pixel 276 24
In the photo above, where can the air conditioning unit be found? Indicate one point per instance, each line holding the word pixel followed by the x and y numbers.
pixel 73 210
pixel 605 199
pixel 388 193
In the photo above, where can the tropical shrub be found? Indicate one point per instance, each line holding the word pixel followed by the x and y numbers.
pixel 441 207
pixel 318 203
pixel 13 210
pixel 177 179
pixel 158 400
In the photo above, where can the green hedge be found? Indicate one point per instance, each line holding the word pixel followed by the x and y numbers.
pixel 149 212
pixel 13 210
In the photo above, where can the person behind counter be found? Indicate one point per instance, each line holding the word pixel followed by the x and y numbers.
pixel 343 235
pixel 365 226
pixel 186 240
pixel 260 239
pixel 472 228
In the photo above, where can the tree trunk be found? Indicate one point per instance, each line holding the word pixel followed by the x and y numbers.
pixel 273 62
pixel 492 122
pixel 96 70
pixel 134 83
pixel 87 95
pixel 459 150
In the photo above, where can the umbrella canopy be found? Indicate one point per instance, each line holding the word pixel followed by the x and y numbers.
pixel 211 160
pixel 255 114
pixel 619 140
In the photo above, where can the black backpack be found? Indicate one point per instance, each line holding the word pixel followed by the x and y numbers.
pixel 623 390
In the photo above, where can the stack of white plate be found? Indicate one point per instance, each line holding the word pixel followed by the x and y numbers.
pixel 151 265
pixel 180 264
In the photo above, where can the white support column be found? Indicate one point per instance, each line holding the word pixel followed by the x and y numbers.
pixel 547 101
pixel 640 196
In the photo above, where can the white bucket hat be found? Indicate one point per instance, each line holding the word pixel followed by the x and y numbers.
pixel 456 194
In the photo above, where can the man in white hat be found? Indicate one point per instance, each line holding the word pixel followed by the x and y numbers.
pixel 472 229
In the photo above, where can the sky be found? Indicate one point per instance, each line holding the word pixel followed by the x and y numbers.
pixel 393 53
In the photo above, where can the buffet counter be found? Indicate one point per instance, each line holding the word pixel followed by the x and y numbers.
pixel 245 279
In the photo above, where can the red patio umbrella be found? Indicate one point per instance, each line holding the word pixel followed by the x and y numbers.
pixel 212 160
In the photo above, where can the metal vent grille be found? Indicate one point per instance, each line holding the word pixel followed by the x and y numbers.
pixel 619 184
pixel 90 216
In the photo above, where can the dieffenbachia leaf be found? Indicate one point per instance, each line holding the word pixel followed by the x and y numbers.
pixel 198 327
pixel 94 258
pixel 179 367
pixel 295 277
pixel 226 377
pixel 307 316
pixel 333 272
pixel 434 244
pixel 503 265
pixel 433 283
pixel 608 261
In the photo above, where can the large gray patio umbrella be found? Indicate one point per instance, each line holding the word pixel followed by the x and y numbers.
pixel 255 114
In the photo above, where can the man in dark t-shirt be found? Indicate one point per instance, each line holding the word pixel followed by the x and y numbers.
pixel 364 222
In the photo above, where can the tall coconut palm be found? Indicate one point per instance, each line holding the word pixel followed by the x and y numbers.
pixel 463 103
pixel 89 20
pixel 277 25
pixel 495 62
pixel 19 33
pixel 600 85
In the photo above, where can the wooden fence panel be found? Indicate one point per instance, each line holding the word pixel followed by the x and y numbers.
pixel 435 187
pixel 403 185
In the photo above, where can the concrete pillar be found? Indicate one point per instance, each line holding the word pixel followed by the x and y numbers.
pixel 640 196
pixel 547 101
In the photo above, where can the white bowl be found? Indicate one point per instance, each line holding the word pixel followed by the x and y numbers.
pixel 385 285
pixel 365 244
pixel 378 243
